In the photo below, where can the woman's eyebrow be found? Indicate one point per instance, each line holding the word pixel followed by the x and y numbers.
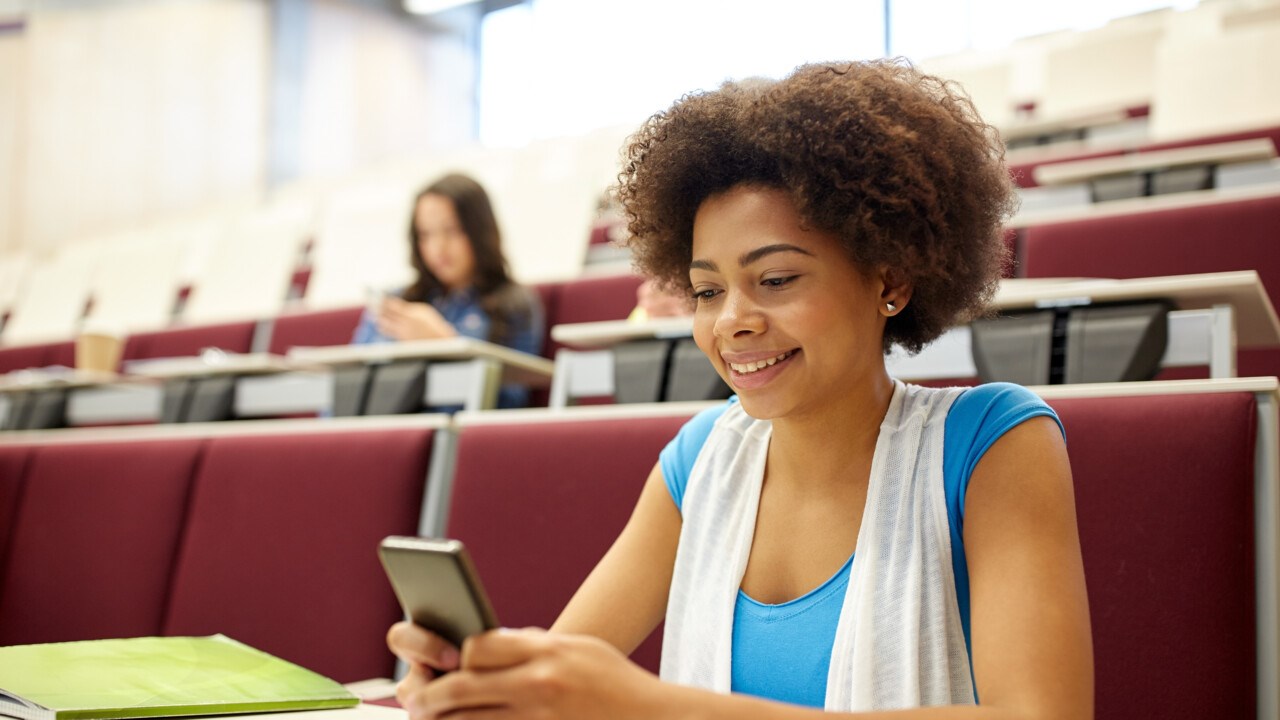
pixel 751 256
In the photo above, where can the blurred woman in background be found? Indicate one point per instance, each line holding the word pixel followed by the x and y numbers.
pixel 463 284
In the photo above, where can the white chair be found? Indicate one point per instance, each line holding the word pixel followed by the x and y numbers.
pixel 249 269
pixel 136 283
pixel 51 305
pixel 361 243
pixel 1219 84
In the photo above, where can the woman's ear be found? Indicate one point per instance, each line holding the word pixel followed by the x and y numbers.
pixel 895 291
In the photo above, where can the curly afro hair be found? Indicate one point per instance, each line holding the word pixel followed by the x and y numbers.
pixel 895 163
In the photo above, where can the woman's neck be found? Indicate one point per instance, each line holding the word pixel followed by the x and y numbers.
pixel 821 446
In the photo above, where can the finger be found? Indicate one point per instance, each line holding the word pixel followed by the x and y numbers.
pixel 412 683
pixel 463 692
pixel 416 645
pixel 504 648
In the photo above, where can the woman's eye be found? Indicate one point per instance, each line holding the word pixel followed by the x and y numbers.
pixel 777 282
pixel 705 295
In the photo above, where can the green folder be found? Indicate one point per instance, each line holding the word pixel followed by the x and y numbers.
pixel 156 677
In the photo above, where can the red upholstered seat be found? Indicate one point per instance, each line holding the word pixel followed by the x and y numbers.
pixel 538 504
pixel 93 543
pixel 1164 494
pixel 549 296
pixel 1024 173
pixel 22 357
pixel 1270 133
pixel 13 470
pixel 1213 238
pixel 280 549
pixel 592 300
pixel 236 337
pixel 314 329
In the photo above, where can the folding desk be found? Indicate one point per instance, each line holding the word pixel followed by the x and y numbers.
pixel 1217 312
pixel 461 371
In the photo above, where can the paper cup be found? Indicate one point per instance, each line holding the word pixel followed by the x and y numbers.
pixel 98 351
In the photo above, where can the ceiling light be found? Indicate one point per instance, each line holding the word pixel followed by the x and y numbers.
pixel 431 7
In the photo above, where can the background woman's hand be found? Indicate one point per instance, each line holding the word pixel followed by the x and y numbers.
pixel 405 320
pixel 425 653
pixel 535 674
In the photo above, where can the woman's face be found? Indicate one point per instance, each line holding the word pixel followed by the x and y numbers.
pixel 769 291
pixel 444 247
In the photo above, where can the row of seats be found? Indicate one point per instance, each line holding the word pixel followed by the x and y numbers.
pixel 270 536
pixel 583 300
pixel 1024 172
pixel 1202 239
pixel 1226 236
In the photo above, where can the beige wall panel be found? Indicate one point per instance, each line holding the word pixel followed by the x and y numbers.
pixel 1220 84
pixel 140 110
pixel 12 67
pixel 1107 69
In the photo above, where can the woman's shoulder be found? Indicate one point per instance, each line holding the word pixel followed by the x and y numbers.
pixel 997 403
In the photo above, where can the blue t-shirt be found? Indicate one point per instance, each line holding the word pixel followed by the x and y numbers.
pixel 462 310
pixel 782 652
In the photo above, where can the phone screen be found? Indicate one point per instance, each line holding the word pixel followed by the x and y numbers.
pixel 437 586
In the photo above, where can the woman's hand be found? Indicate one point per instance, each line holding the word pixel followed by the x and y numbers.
pixel 535 674
pixel 425 653
pixel 405 320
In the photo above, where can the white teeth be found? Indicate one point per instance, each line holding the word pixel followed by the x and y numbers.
pixel 749 368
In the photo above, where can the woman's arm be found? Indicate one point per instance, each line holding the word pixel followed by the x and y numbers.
pixel 1031 641
pixel 405 320
pixel 1029 614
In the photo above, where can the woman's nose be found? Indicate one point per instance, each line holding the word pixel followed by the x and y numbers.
pixel 738 314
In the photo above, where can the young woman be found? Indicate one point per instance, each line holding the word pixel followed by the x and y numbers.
pixel 463 286
pixel 832 539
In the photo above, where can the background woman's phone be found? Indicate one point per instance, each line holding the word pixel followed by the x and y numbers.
pixel 437 586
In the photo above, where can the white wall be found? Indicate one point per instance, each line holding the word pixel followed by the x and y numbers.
pixel 137 110
pixel 12 47
pixel 375 88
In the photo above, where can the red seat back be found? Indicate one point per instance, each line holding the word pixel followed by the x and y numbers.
pixel 538 504
pixel 593 300
pixel 93 543
pixel 22 357
pixel 1212 238
pixel 314 329
pixel 13 471
pixel 1164 495
pixel 236 337
pixel 280 549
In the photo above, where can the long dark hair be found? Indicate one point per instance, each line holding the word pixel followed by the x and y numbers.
pixel 499 295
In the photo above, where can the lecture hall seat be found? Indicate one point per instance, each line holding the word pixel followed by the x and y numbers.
pixel 1164 498
pixel 280 545
pixel 13 470
pixel 592 299
pixel 22 357
pixel 314 329
pixel 233 337
pixel 94 539
pixel 1182 241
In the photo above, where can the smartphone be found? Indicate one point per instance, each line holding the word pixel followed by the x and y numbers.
pixel 374 298
pixel 437 586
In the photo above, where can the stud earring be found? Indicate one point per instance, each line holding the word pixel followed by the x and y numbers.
pixel 892 308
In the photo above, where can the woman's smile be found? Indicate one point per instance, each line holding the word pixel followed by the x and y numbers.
pixel 746 374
